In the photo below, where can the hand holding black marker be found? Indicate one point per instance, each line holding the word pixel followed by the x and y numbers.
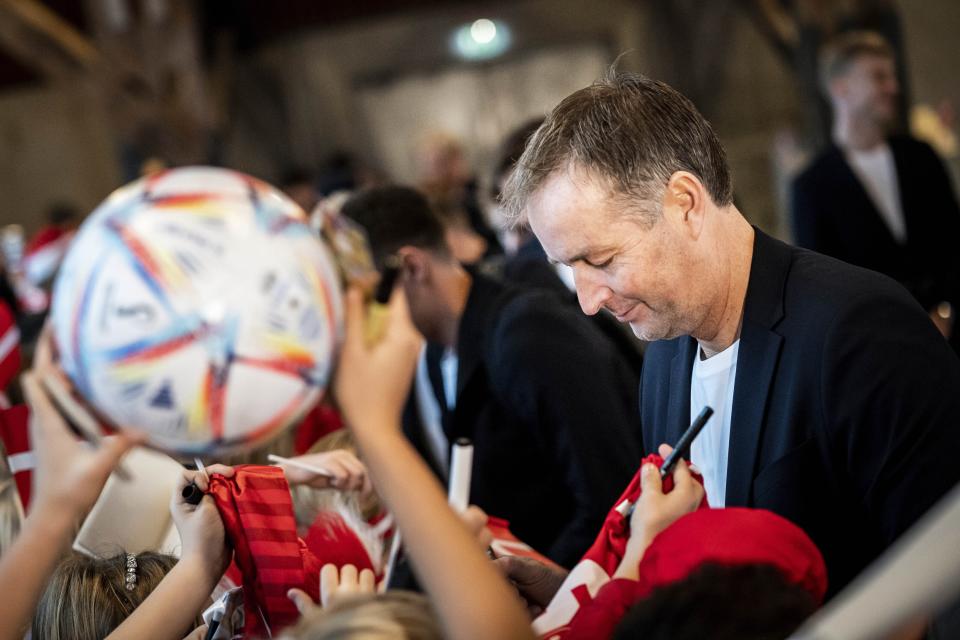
pixel 683 444
pixel 680 450
pixel 192 493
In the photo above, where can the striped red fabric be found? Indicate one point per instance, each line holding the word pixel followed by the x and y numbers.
pixel 257 513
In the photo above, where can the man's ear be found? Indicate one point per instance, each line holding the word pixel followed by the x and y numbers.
pixel 685 202
pixel 415 265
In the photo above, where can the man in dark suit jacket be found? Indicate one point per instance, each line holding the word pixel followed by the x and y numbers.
pixel 874 200
pixel 836 399
pixel 537 389
pixel 845 404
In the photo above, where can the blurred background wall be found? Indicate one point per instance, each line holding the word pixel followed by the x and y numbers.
pixel 90 90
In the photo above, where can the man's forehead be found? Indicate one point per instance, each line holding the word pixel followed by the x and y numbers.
pixel 569 215
pixel 868 62
pixel 567 193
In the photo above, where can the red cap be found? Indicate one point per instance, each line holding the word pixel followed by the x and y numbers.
pixel 732 536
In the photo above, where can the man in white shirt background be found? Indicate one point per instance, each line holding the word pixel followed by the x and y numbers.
pixel 874 198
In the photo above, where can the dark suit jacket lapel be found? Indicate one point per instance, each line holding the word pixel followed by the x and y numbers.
pixel 678 407
pixel 871 216
pixel 907 188
pixel 756 363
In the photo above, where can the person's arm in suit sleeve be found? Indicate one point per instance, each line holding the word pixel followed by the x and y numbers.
pixel 558 374
pixel 890 389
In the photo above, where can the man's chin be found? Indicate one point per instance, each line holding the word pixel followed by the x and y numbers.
pixel 650 334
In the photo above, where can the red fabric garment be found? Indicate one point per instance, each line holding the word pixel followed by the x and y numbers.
pixel 323 419
pixel 599 562
pixel 731 536
pixel 257 513
pixel 15 433
pixel 9 347
pixel 608 549
pixel 269 559
pixel 332 540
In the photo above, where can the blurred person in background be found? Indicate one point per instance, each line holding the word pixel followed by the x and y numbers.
pixel 47 247
pixel 447 181
pixel 299 185
pixel 876 200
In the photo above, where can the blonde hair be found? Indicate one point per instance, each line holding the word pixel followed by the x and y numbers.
pixel 86 598
pixel 11 514
pixel 394 615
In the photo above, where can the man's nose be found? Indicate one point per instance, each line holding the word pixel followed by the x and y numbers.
pixel 591 292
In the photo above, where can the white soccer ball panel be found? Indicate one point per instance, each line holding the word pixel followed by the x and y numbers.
pixel 195 271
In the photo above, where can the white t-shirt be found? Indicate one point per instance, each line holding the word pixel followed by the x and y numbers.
pixel 712 384
pixel 429 408
pixel 877 172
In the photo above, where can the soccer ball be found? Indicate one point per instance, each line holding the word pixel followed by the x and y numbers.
pixel 198 306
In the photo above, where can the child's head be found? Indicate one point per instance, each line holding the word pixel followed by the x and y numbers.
pixel 721 601
pixel 394 615
pixel 87 598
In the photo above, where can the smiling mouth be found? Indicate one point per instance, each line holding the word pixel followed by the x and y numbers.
pixel 625 316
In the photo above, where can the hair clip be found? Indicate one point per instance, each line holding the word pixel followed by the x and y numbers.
pixel 131 578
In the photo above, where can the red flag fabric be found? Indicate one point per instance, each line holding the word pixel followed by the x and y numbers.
pixel 599 562
pixel 15 433
pixel 257 512
pixel 332 540
pixel 731 536
pixel 9 347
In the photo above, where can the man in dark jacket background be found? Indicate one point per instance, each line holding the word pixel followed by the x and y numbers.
pixel 876 200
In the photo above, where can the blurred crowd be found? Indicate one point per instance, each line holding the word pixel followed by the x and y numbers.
pixel 566 325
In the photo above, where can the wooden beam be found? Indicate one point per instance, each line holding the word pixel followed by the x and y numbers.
pixel 47 26
pixel 776 24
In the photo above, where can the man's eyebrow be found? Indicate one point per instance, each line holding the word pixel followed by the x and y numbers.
pixel 568 261
pixel 555 261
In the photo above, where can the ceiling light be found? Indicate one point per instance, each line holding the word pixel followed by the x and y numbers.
pixel 480 40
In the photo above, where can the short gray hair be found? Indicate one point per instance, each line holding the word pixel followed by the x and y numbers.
pixel 629 130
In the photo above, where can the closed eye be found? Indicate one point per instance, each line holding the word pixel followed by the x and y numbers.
pixel 600 265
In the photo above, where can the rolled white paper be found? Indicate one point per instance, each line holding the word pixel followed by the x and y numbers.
pixel 461 465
